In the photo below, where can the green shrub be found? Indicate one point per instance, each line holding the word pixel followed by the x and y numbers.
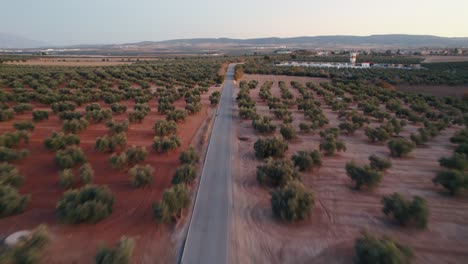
pixel 11 202
pixel 118 161
pixel 165 128
pixel 400 147
pixel 331 144
pixel 86 173
pixel 379 163
pixel 8 154
pixel 9 175
pixel 27 250
pixel 452 180
pixel 117 127
pixel 24 125
pixel 136 116
pixel 406 211
pixel 374 250
pixel 6 115
pixel 90 203
pixel 59 141
pixel 457 161
pixel 141 176
pixel 186 173
pixel 108 144
pixel 22 108
pixel 69 115
pixel 348 128
pixel 292 202
pixel 74 125
pixel 165 144
pixel 270 147
pixel 377 134
pixel 93 107
pixel 288 132
pixel 306 160
pixel 70 157
pixel 13 139
pixel 276 173
pixel 118 108
pixel 189 156
pixel 248 113
pixel 263 124
pixel 174 200
pixel 97 116
pixel 176 115
pixel 363 175
pixel 214 97
pixel 136 154
pixel 121 254
pixel 63 106
pixel 66 178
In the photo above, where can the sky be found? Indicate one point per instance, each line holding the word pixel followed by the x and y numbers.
pixel 67 22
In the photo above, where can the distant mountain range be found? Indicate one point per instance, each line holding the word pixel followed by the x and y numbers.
pixel 9 41
pixel 393 40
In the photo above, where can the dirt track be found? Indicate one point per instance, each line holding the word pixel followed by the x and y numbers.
pixel 340 212
pixel 132 215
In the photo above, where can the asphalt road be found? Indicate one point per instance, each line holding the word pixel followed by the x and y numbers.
pixel 208 234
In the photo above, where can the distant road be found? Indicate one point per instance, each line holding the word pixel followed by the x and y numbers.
pixel 207 238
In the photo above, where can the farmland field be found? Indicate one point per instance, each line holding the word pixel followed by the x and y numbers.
pixel 341 212
pixel 133 87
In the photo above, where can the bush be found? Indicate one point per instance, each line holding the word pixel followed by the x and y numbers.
pixel 74 125
pixel 189 156
pixel 63 106
pixel 118 108
pixel 452 180
pixel 8 154
pixel 174 200
pixel 13 139
pixel 6 115
pixel 11 202
pixel 373 250
pixel 136 116
pixel 348 128
pixel 165 128
pixel 378 163
pixel 86 173
pixel 117 127
pixel 293 202
pixel 457 161
pixel 306 160
pixel 276 173
pixel 108 144
pixel 59 141
pixel 24 125
pixel 304 127
pixel 186 173
pixel 97 116
pixel 9 175
pixel 248 113
pixel 214 97
pixel 66 178
pixel 406 211
pixel 28 249
pixel 136 154
pixel 363 175
pixel 90 203
pixel 141 176
pixel 165 144
pixel 331 144
pixel 288 132
pixel 400 147
pixel 270 147
pixel 263 124
pixel 70 157
pixel 377 134
pixel 121 254
pixel 176 115
pixel 22 108
pixel 69 115
pixel 118 161
pixel 93 107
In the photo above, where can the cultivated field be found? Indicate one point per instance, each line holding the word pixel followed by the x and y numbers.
pixel 132 214
pixel 340 211
pixel 435 58
pixel 77 61
pixel 437 90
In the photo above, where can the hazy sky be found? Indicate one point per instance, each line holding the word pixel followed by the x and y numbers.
pixel 118 21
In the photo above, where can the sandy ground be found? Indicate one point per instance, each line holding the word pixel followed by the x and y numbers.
pixel 438 58
pixel 437 90
pixel 340 212
pixel 132 215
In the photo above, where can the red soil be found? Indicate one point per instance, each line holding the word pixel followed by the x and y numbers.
pixel 132 214
pixel 340 212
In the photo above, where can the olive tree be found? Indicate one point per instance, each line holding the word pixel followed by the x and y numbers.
pixel 306 160
pixel 371 250
pixel 9 175
pixel 293 202
pixel 189 156
pixel 173 202
pixel 270 147
pixel 186 173
pixel 141 176
pixel 11 202
pixel 276 173
pixel 406 211
pixel 70 157
pixel 400 147
pixel 379 163
pixel 121 254
pixel 363 175
pixel 452 180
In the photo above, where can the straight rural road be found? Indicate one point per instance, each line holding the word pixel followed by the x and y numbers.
pixel 208 233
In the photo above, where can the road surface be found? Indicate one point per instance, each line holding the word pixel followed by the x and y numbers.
pixel 207 237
